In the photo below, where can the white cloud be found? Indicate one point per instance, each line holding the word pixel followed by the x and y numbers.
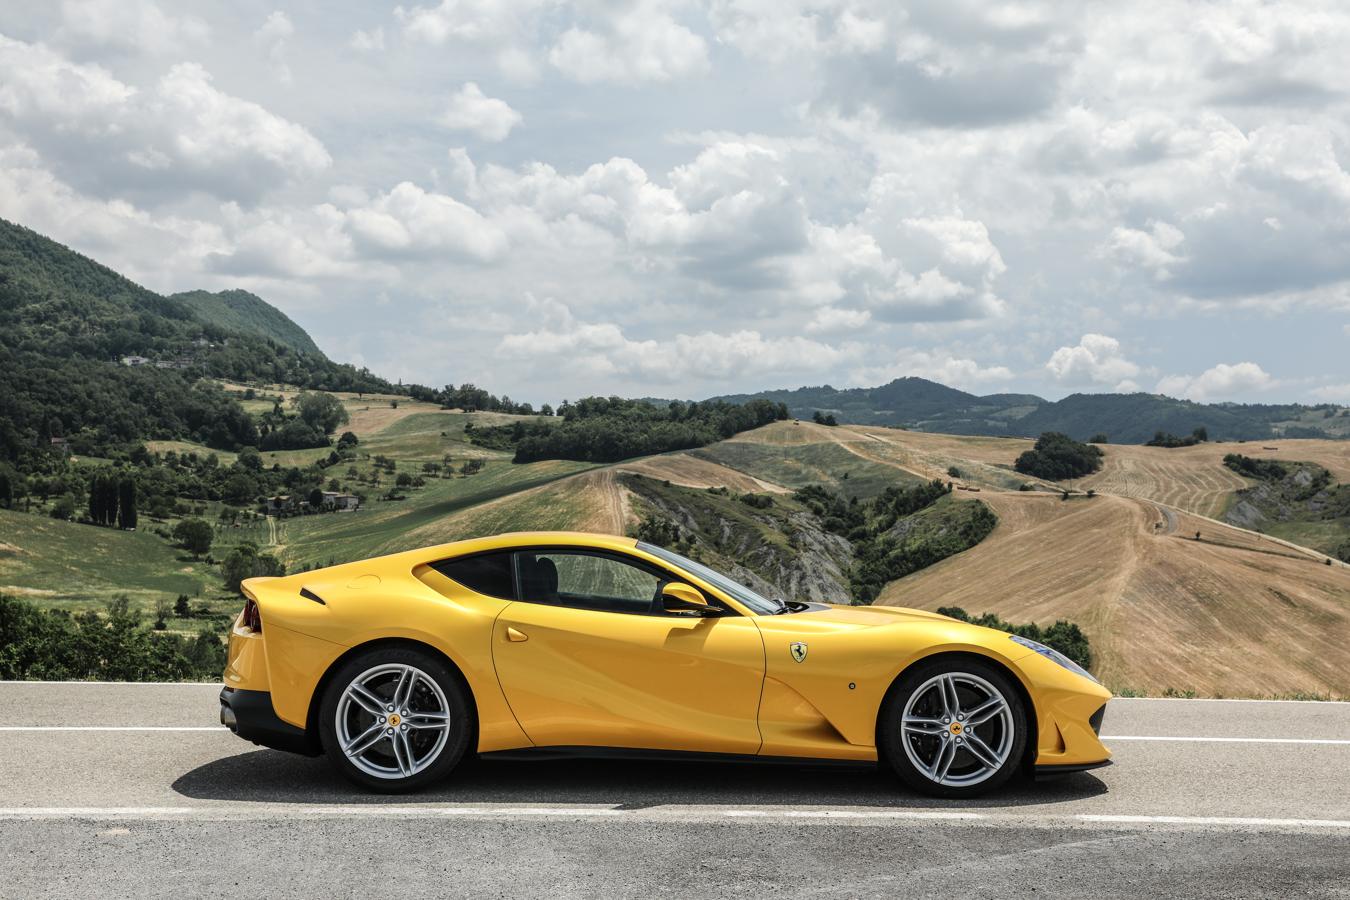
pixel 1223 382
pixel 1096 360
pixel 833 320
pixel 643 44
pixel 603 350
pixel 371 40
pixel 410 220
pixel 1151 250
pixel 473 111
pixel 272 36
pixel 109 137
pixel 139 26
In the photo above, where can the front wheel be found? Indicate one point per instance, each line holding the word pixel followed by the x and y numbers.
pixel 954 728
pixel 395 719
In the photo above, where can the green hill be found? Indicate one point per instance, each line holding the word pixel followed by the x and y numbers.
pixel 246 313
pixel 91 356
pixel 923 405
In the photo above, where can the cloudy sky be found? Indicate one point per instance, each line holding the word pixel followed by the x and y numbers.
pixel 686 198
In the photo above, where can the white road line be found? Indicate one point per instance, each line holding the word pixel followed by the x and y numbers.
pixel 850 814
pixel 1217 820
pixel 1224 740
pixel 666 813
pixel 1224 700
pixel 204 684
pixel 114 728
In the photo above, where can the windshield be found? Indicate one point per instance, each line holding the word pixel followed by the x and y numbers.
pixel 740 592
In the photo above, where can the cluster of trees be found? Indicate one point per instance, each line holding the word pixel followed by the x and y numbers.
pixel 246 560
pixel 608 429
pixel 821 418
pixel 471 398
pixel 1064 636
pixel 1166 439
pixel 1260 469
pixel 112 499
pixel 934 534
pixel 1056 457
pixel 899 531
pixel 316 416
pixel 55 645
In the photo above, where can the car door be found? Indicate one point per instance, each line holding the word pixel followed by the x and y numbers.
pixel 587 657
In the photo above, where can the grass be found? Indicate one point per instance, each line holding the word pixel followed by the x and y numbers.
pixel 381 526
pixel 76 566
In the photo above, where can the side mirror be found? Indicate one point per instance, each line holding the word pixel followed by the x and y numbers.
pixel 684 598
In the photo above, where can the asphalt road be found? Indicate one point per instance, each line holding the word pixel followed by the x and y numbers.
pixel 133 790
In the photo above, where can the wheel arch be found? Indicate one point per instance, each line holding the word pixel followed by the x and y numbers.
pixel 1028 705
pixel 312 730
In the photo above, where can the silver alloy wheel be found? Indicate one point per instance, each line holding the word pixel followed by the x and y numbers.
pixel 957 729
pixel 392 721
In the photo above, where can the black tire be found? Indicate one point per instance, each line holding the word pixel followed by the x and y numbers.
pixel 459 729
pixel 972 775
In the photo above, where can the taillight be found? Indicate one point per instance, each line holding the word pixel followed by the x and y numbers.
pixel 252 618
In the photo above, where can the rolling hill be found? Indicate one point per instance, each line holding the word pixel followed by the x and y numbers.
pixel 245 313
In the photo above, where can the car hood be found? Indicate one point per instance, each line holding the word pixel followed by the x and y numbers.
pixel 866 616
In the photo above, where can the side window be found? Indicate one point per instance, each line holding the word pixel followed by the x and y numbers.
pixel 483 573
pixel 586 581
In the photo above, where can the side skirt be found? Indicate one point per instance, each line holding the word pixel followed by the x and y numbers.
pixel 690 756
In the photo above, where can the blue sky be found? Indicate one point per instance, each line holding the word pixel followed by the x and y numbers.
pixel 554 199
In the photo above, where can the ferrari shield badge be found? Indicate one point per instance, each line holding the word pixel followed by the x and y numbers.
pixel 798 651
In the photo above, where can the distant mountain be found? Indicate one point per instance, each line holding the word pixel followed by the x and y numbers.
pixel 910 402
pixel 246 313
pixel 924 405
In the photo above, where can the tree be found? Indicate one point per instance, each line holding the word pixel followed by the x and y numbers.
pixel 1056 457
pixel 347 440
pixel 103 498
pixel 821 418
pixel 1099 438
pixel 316 498
pixel 404 479
pixel 126 503
pixel 953 472
pixel 245 561
pixel 194 535
pixel 239 489
pixel 249 459
pixel 545 410
pixel 6 490
pixel 181 609
pixel 323 412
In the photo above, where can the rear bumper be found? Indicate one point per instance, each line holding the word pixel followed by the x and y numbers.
pixel 249 714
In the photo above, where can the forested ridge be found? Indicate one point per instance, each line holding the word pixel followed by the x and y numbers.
pixel 66 322
pixel 608 429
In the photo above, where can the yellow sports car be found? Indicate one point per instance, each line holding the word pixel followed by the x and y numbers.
pixel 395 667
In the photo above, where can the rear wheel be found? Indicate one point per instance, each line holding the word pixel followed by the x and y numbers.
pixel 954 727
pixel 395 719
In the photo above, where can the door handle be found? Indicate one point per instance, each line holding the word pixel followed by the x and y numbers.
pixel 515 636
